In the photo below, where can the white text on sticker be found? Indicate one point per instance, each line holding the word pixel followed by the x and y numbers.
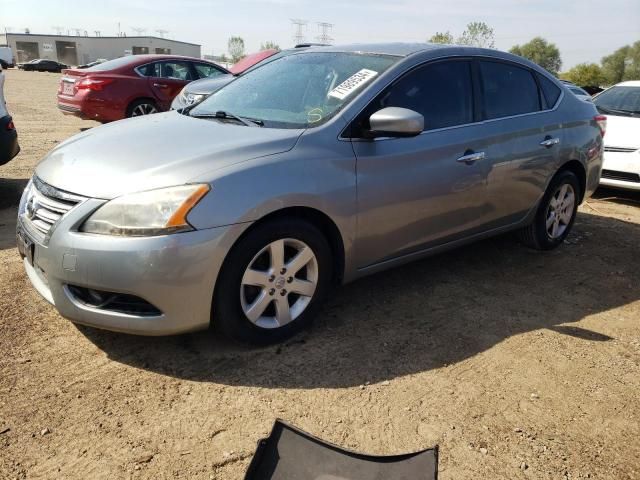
pixel 352 83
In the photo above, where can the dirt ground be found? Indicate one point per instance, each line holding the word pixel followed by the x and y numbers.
pixel 518 364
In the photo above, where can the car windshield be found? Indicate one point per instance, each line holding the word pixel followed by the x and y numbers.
pixel 297 91
pixel 624 101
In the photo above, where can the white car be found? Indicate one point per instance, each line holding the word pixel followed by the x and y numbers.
pixel 621 105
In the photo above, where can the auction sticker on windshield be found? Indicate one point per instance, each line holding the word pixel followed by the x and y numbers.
pixel 352 83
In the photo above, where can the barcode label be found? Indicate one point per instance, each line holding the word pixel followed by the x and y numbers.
pixel 352 83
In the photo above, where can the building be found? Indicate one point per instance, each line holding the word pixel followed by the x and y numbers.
pixel 78 50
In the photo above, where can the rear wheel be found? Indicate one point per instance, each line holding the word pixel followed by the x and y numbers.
pixel 556 213
pixel 141 107
pixel 273 282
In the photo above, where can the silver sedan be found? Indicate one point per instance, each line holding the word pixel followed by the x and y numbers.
pixel 316 169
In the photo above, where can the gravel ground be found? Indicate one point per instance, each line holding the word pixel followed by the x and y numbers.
pixel 519 364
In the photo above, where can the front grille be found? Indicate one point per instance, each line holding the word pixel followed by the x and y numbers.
pixel 624 176
pixel 619 149
pixel 46 205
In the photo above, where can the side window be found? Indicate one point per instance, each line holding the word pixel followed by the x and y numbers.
pixel 171 70
pixel 550 90
pixel 508 90
pixel 206 71
pixel 442 92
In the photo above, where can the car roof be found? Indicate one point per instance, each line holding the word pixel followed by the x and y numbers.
pixel 150 57
pixel 398 49
pixel 629 83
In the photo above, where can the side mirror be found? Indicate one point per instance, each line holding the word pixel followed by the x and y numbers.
pixel 395 122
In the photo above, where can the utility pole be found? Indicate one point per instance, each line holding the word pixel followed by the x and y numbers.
pixel 299 35
pixel 324 28
pixel 59 29
pixel 139 31
pixel 161 33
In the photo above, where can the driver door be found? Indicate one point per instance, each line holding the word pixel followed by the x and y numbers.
pixel 167 78
pixel 418 192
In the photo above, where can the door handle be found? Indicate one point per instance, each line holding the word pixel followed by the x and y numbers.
pixel 549 142
pixel 471 157
pixel 161 85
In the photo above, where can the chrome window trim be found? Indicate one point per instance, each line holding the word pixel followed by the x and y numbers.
pixel 341 137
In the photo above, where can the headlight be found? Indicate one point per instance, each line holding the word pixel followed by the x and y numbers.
pixel 191 98
pixel 154 212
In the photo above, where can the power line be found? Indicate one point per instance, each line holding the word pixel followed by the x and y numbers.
pixel 324 28
pixel 299 36
pixel 138 30
pixel 161 33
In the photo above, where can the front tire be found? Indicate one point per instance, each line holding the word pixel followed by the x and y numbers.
pixel 556 213
pixel 273 282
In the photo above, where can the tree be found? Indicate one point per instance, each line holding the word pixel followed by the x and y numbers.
pixel 235 45
pixel 270 46
pixel 541 52
pixel 441 37
pixel 613 66
pixel 585 74
pixel 477 34
pixel 623 64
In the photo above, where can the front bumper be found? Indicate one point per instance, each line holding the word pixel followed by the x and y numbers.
pixel 621 170
pixel 175 273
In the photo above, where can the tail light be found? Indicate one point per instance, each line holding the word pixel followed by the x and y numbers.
pixel 601 120
pixel 11 126
pixel 95 84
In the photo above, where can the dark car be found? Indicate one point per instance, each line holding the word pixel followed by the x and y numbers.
pixel 8 136
pixel 43 65
pixel 130 86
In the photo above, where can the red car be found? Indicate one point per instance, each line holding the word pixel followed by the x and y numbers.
pixel 129 86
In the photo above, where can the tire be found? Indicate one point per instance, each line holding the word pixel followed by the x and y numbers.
pixel 556 213
pixel 264 295
pixel 143 106
pixel 4 65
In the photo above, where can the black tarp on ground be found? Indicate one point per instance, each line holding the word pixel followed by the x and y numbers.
pixel 291 454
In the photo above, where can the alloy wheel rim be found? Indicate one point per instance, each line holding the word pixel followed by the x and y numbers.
pixel 279 283
pixel 143 109
pixel 560 211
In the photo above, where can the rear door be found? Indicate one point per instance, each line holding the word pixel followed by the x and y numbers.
pixel 524 138
pixel 167 78
pixel 418 192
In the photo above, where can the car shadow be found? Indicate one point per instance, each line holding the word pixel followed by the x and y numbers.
pixel 418 317
pixel 618 195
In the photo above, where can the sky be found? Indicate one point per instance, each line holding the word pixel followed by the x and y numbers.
pixel 584 30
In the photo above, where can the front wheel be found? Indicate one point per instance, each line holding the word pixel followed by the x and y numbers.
pixel 273 282
pixel 141 107
pixel 555 215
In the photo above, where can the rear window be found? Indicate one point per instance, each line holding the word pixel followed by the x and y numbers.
pixel 508 90
pixel 111 64
pixel 550 90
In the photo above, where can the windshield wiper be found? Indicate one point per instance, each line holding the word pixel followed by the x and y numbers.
pixel 249 122
pixel 614 111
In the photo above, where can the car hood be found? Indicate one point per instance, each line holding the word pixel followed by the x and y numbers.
pixel 208 85
pixel 622 132
pixel 155 151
